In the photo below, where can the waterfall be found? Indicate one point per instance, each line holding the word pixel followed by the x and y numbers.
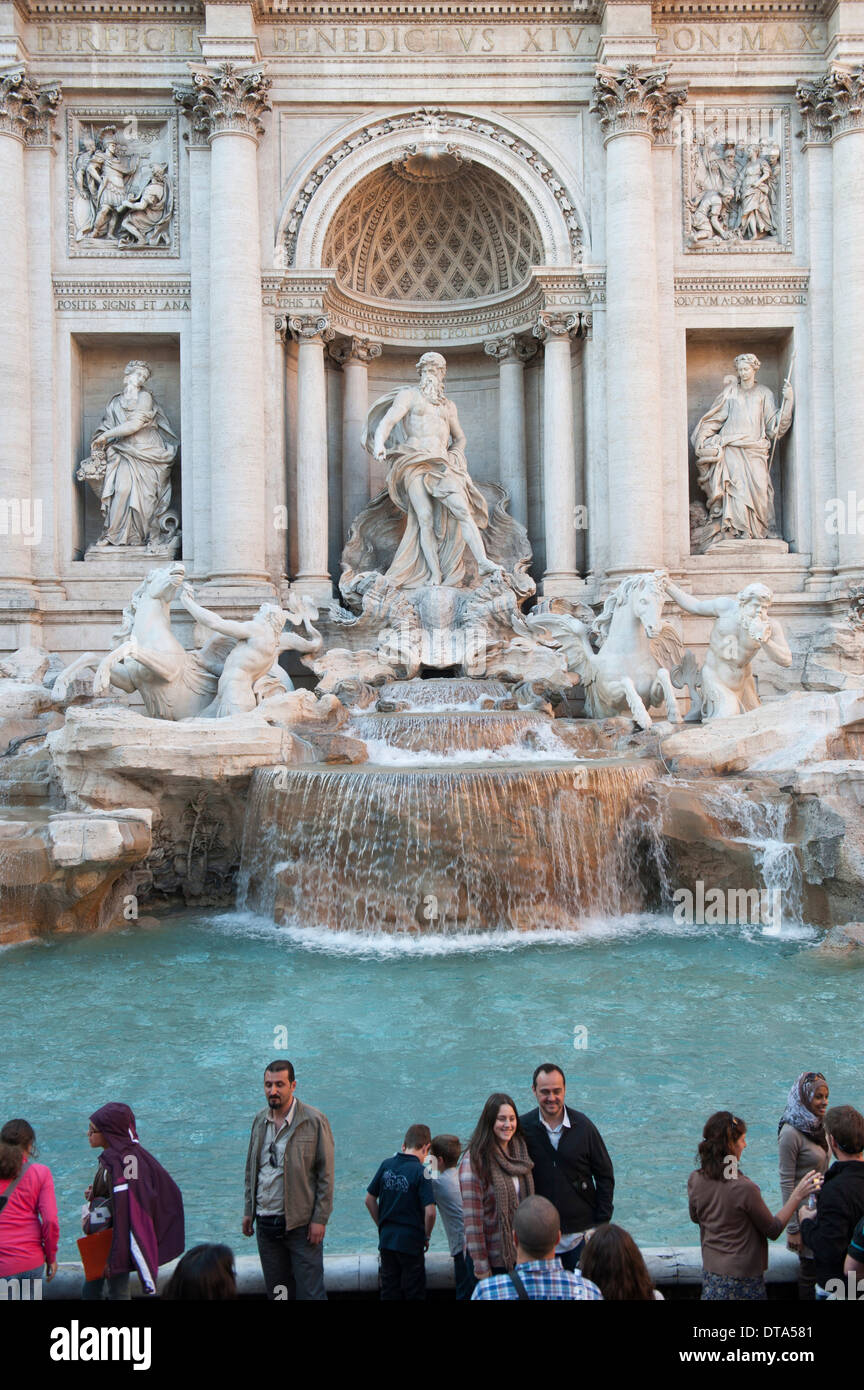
pixel 486 736
pixel 761 823
pixel 456 693
pixel 515 848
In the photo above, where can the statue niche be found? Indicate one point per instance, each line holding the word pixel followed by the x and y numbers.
pixel 132 454
pixel 431 525
pixel 435 570
pixel 734 443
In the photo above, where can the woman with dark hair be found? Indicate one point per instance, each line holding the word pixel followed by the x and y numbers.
pixel 802 1145
pixel 494 1177
pixel 613 1261
pixel 734 1223
pixel 29 1232
pixel 205 1273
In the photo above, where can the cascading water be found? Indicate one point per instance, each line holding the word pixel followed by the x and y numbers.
pixel 448 737
pixel 762 825
pixel 459 693
pixel 462 822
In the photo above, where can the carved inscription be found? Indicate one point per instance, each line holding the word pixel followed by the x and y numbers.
pixel 715 39
pixel 427 40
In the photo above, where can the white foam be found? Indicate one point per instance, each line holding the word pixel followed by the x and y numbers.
pixel 548 748
pixel 387 945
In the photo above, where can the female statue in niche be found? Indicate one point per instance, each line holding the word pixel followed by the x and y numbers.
pixel 733 443
pixel 133 451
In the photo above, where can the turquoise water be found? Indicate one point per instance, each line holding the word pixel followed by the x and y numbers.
pixel 179 1021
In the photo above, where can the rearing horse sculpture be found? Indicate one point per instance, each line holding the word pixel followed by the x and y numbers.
pixel 174 683
pixel 631 669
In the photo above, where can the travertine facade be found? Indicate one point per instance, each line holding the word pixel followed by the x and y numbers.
pixel 591 208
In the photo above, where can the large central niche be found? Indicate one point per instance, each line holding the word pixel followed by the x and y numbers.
pixel 422 230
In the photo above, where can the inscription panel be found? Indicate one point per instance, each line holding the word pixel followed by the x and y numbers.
pixel 122 296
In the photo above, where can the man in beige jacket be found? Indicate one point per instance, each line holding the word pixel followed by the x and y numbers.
pixel 289 1189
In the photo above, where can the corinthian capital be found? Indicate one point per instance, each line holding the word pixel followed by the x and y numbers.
pixel 311 328
pixel 27 110
pixel 636 100
pixel 833 105
pixel 226 98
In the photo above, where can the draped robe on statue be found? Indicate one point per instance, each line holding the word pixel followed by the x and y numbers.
pixel 443 477
pixel 136 493
pixel 741 424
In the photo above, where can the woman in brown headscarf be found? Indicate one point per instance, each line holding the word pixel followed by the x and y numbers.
pixel 494 1177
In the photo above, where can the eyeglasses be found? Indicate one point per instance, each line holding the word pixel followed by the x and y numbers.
pixel 274 1161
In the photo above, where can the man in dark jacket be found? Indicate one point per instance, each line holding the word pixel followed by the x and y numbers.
pixel 572 1167
pixel 840 1203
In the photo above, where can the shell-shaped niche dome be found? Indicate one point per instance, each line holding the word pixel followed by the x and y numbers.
pixel 462 237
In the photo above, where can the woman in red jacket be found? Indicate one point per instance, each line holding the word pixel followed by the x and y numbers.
pixel 28 1209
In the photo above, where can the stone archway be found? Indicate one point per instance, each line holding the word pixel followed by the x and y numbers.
pixel 554 202
pixel 435 229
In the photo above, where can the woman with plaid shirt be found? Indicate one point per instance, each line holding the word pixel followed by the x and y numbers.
pixel 494 1177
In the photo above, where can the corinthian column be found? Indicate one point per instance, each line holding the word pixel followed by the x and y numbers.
pixel 816 106
pixel 312 331
pixel 634 108
pixel 559 451
pixel 511 354
pixel 227 103
pixel 834 109
pixel 354 356
pixel 26 111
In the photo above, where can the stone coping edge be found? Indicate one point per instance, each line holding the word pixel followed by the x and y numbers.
pixel 346 1274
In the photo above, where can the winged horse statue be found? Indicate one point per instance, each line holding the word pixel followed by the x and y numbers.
pixel 636 650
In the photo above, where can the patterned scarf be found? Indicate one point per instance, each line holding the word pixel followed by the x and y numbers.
pixel 798 1112
pixel 503 1168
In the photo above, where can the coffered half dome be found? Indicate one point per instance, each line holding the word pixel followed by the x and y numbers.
pixel 454 230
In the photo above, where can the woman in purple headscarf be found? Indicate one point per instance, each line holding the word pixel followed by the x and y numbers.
pixel 802 1145
pixel 133 1195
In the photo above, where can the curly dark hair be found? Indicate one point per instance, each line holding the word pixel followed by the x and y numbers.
pixel 722 1131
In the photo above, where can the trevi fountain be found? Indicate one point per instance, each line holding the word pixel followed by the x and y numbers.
pixel 431 577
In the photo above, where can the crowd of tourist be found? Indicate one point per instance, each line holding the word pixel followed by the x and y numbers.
pixel 526 1204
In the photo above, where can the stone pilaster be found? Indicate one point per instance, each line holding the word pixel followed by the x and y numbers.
pixel 226 104
pixel 555 330
pixel 833 112
pixel 635 108
pixel 817 367
pixel 49 479
pixel 511 354
pixel 312 332
pixel 26 118
pixel 358 482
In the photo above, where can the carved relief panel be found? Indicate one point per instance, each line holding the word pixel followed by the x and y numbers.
pixel 736 179
pixel 122 181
